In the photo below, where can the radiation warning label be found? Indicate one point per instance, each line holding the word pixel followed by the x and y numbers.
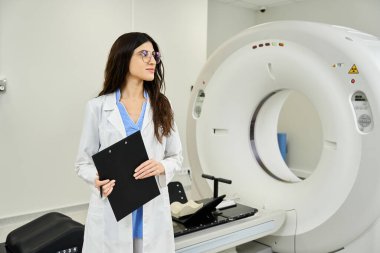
pixel 353 70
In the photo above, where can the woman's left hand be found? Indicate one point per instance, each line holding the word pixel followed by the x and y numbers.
pixel 148 169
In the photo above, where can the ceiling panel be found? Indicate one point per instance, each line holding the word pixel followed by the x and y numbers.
pixel 258 4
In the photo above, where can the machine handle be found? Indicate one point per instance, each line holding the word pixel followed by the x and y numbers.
pixel 208 176
pixel 216 181
pixel 226 181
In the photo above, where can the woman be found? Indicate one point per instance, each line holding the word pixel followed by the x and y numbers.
pixel 131 100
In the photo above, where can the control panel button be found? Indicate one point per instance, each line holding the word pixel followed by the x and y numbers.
pixel 364 120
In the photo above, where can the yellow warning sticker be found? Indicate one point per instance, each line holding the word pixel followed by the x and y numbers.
pixel 353 70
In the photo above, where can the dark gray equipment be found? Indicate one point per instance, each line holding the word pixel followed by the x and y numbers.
pixel 50 233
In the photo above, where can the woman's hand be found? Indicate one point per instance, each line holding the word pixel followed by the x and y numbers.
pixel 148 169
pixel 106 186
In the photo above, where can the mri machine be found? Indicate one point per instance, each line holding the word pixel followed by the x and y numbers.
pixel 318 83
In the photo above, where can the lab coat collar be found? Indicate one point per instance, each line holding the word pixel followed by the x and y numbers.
pixel 115 117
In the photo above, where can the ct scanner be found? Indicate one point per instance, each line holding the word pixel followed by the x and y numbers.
pixel 234 117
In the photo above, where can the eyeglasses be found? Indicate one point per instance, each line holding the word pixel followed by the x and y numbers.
pixel 147 56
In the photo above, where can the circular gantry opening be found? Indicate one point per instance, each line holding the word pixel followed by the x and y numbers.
pixel 286 136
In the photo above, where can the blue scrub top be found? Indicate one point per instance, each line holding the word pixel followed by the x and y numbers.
pixel 130 128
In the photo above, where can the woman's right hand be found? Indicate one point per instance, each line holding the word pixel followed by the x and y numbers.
pixel 105 185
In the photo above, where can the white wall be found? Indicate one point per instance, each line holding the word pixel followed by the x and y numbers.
pixel 363 15
pixel 180 28
pixel 225 21
pixel 53 53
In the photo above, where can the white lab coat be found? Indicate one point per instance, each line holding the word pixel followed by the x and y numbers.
pixel 103 127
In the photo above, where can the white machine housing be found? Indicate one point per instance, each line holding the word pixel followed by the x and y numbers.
pixel 248 79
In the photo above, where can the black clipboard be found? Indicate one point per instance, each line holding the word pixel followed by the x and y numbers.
pixel 119 162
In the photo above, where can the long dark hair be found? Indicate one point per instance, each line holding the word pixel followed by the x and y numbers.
pixel 116 71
